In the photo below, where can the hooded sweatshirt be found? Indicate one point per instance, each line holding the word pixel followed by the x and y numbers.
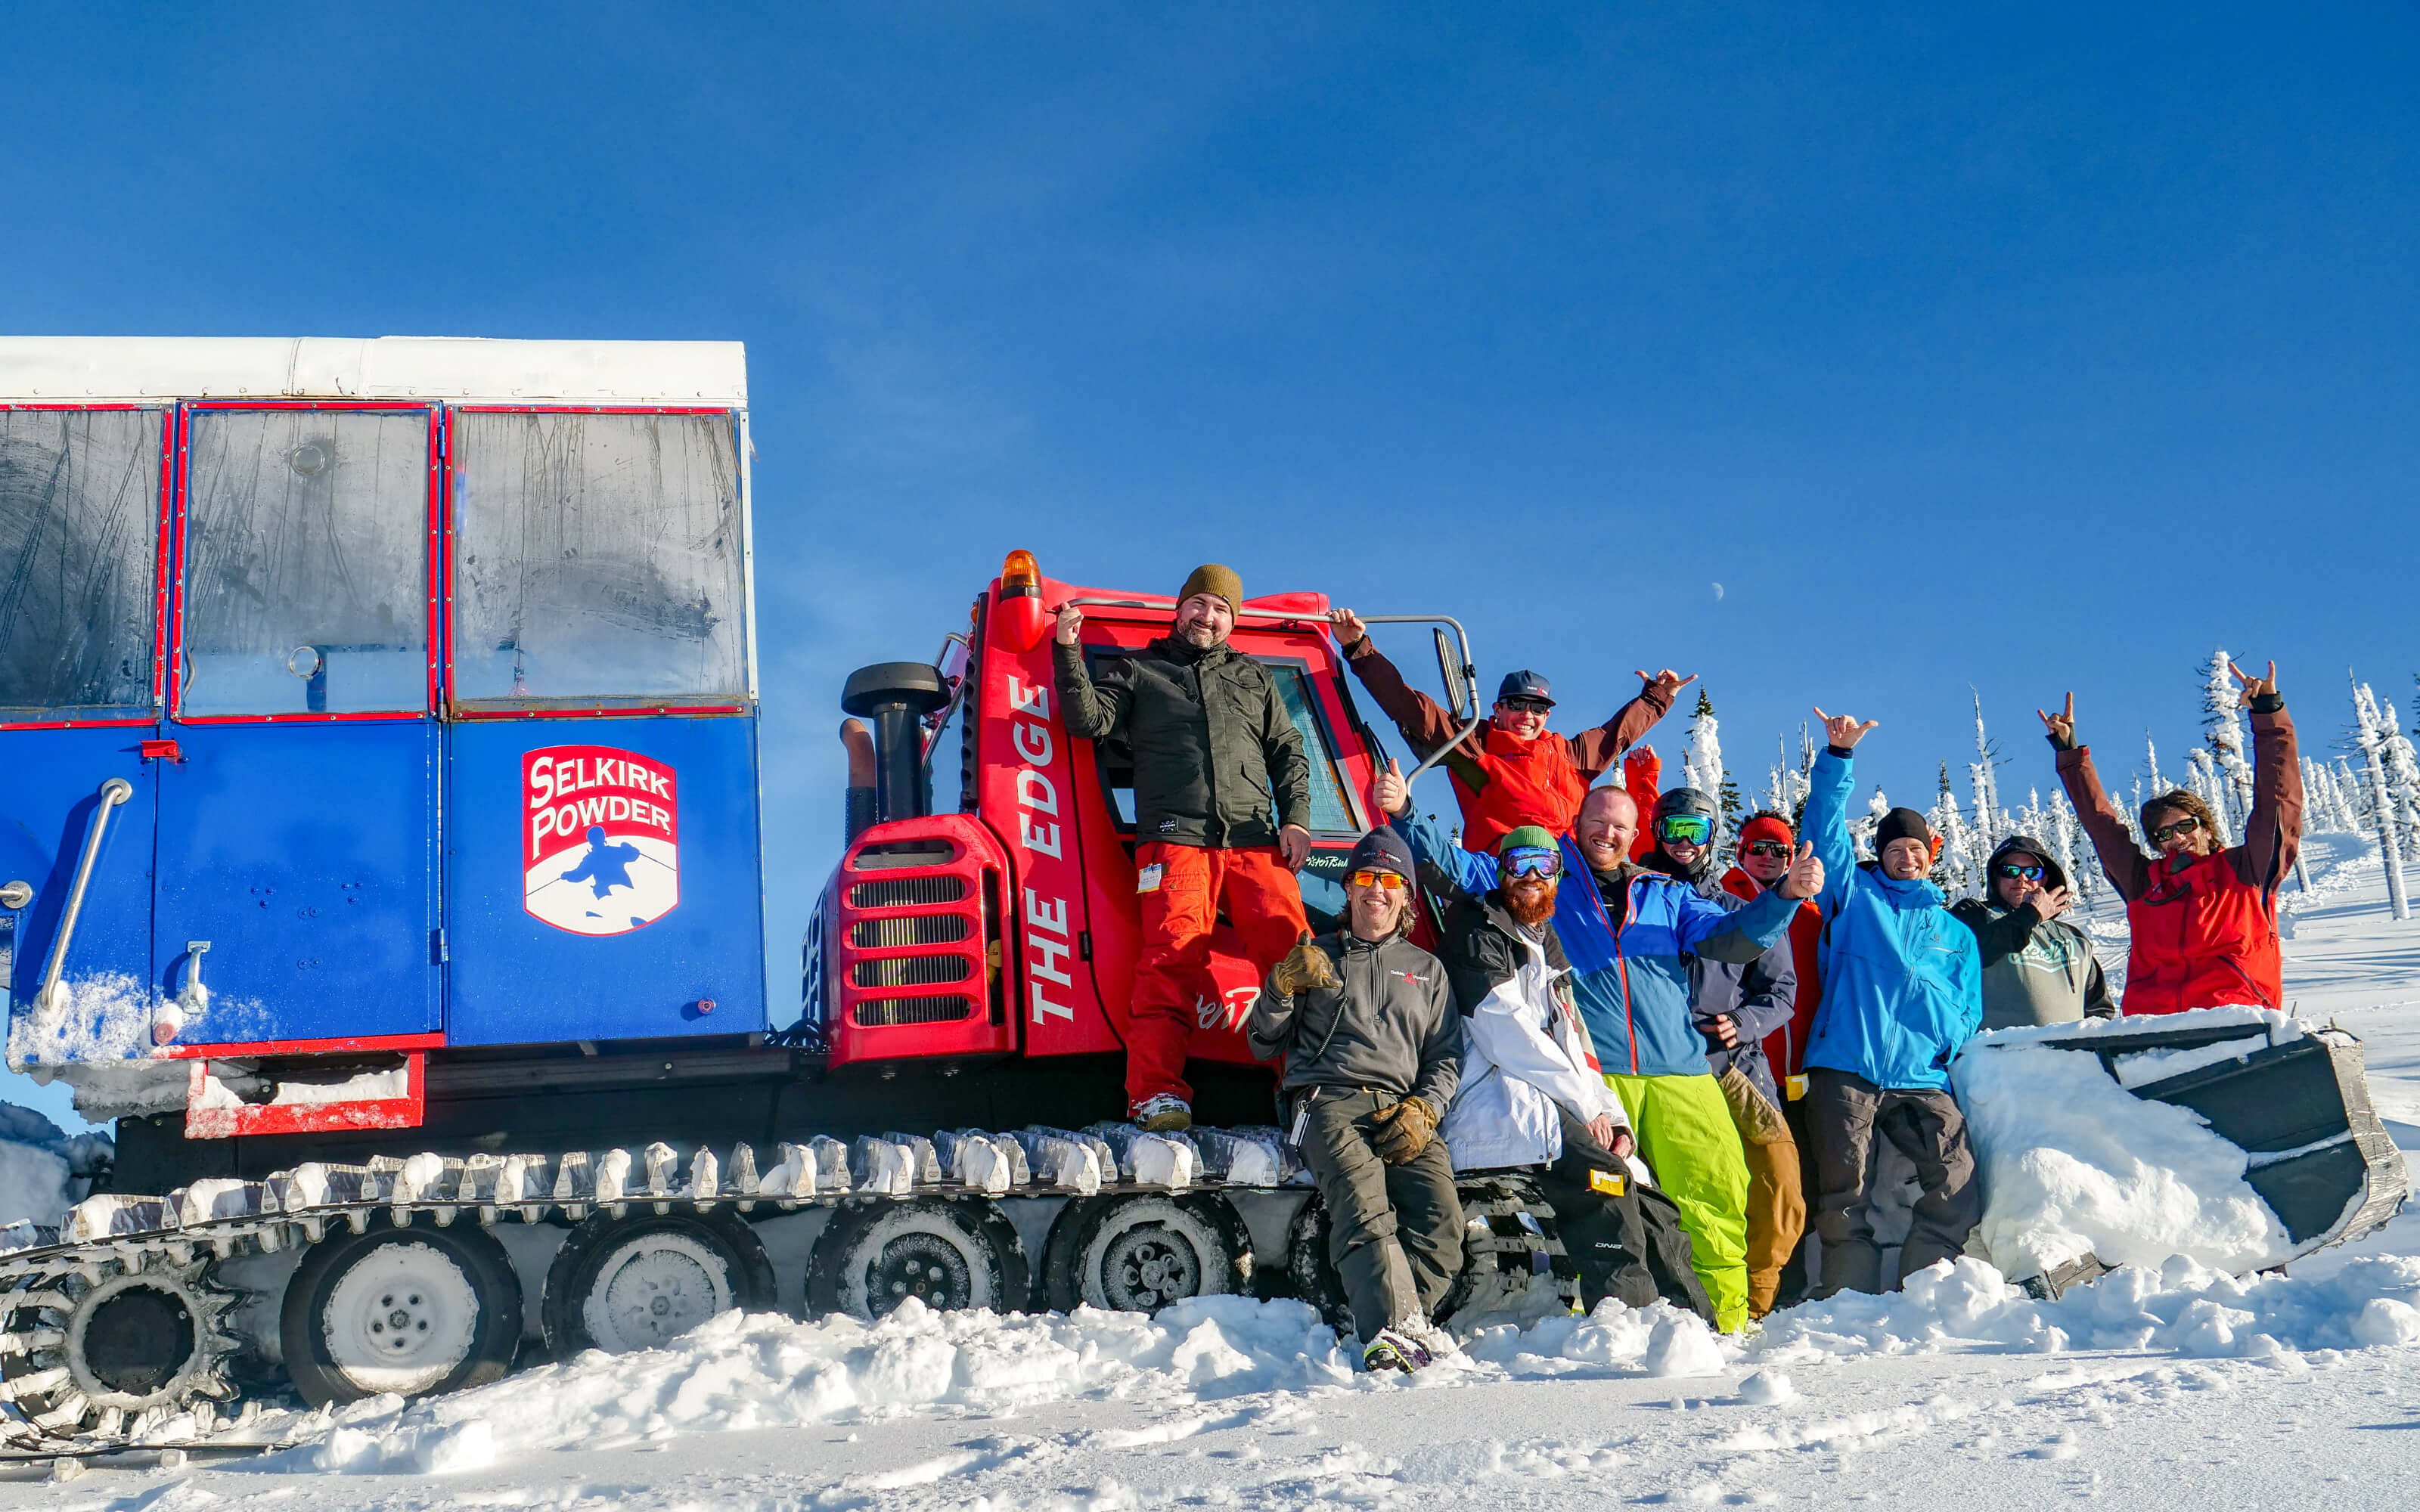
pixel 2036 970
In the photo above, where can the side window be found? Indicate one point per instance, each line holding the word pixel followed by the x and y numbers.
pixel 1331 812
pixel 306 562
pixel 597 559
pixel 79 539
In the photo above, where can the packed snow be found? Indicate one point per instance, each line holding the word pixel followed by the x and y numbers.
pixel 43 1172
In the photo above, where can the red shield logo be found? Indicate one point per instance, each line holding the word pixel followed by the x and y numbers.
pixel 600 839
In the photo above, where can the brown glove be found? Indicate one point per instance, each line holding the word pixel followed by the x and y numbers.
pixel 1403 1130
pixel 1306 966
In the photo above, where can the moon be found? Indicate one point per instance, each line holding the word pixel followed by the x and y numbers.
pixel 1718 590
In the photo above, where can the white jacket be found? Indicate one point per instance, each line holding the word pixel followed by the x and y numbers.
pixel 1524 1054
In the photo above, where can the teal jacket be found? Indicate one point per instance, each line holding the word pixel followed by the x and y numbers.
pixel 1632 987
pixel 1903 979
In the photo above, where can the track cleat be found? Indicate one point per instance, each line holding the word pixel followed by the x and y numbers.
pixel 1392 1351
pixel 1163 1113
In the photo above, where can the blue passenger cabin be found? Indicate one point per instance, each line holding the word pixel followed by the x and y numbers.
pixel 372 696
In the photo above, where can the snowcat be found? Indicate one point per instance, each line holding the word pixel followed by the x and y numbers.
pixel 381 848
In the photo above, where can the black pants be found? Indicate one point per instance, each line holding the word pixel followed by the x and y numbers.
pixel 1631 1247
pixel 1394 1231
pixel 1794 1284
pixel 1846 1112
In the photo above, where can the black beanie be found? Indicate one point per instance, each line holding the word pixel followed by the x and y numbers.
pixel 1901 824
pixel 1382 850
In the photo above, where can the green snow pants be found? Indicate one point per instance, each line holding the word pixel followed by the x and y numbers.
pixel 1686 1135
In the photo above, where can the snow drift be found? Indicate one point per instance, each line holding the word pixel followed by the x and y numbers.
pixel 42 1172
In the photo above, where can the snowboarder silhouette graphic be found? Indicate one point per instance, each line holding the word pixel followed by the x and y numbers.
pixel 605 867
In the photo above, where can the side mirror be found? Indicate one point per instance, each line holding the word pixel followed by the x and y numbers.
pixel 1458 696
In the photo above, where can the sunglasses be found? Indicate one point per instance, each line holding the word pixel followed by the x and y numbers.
pixel 1688 829
pixel 1383 881
pixel 2031 873
pixel 1531 861
pixel 1768 847
pixel 1526 705
pixel 2167 832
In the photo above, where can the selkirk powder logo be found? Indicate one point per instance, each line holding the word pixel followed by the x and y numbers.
pixel 600 839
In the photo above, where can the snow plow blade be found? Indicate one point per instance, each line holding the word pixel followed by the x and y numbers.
pixel 2293 1097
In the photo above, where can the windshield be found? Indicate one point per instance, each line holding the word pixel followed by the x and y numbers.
pixel 79 532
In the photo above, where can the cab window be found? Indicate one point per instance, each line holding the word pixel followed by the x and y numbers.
pixel 79 535
pixel 306 563
pixel 597 561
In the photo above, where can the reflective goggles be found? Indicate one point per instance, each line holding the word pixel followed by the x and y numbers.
pixel 1688 828
pixel 1383 881
pixel 2176 831
pixel 1526 705
pixel 1531 861
pixel 2031 873
pixel 1768 847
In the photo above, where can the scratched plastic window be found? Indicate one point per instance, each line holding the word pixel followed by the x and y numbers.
pixel 1331 813
pixel 597 561
pixel 79 528
pixel 306 562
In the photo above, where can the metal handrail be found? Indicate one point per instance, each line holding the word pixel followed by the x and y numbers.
pixel 1469 675
pixel 112 793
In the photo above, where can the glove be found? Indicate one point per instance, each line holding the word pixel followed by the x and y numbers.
pixel 1305 965
pixel 1403 1130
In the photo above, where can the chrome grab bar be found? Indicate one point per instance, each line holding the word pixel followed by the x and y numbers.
pixel 112 793
pixel 1469 677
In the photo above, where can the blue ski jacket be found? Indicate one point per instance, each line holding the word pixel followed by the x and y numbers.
pixel 1902 977
pixel 1632 987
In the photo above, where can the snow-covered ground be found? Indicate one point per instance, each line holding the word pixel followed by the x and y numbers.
pixel 2151 1386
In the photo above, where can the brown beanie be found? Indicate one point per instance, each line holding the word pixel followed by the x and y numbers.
pixel 1210 577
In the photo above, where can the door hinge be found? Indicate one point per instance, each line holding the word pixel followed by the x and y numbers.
pixel 437 946
pixel 1084 945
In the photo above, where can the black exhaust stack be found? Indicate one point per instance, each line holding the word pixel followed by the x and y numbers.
pixel 896 696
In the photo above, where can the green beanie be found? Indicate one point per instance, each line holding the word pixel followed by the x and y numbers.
pixel 1210 577
pixel 1533 836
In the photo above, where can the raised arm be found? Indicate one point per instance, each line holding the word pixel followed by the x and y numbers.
pixel 1440 857
pixel 1593 750
pixel 1825 826
pixel 2121 860
pixel 1737 936
pixel 1426 724
pixel 1091 708
pixel 2272 835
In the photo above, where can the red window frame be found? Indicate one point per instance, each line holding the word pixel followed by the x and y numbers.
pixel 168 437
pixel 446 610
pixel 435 523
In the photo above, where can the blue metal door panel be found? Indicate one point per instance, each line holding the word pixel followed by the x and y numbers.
pixel 47 798
pixel 603 880
pixel 306 854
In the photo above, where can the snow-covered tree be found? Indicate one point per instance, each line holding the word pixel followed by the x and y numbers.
pixel 1990 823
pixel 2205 782
pixel 2066 837
pixel 1702 764
pixel 2151 765
pixel 2221 716
pixel 1861 831
pixel 1957 868
pixel 2373 729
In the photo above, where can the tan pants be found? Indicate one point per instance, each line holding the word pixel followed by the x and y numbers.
pixel 1776 1197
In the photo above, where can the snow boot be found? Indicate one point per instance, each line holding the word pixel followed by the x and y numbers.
pixel 1391 1351
pixel 1164 1113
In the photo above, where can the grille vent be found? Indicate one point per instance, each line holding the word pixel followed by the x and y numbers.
pixel 890 1012
pixel 890 934
pixel 912 971
pixel 906 892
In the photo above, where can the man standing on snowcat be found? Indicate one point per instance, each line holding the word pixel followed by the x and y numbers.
pixel 1514 772
pixel 1372 1045
pixel 2203 935
pixel 1212 743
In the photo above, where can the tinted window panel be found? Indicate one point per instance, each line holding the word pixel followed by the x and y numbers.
pixel 306 562
pixel 597 560
pixel 78 530
pixel 1331 812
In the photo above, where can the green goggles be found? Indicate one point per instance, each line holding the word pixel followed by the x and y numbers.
pixel 1685 828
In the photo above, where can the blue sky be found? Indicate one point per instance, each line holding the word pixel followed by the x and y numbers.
pixel 2017 349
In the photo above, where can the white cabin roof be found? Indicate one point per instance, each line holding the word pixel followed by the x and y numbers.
pixel 74 368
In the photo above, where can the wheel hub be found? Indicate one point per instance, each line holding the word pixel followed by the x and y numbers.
pixel 654 1291
pixel 924 1266
pixel 1147 1267
pixel 137 1339
pixel 402 1318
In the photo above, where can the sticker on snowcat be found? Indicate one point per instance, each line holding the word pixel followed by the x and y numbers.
pixel 600 839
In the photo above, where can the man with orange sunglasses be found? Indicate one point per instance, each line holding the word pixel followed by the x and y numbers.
pixel 1373 1046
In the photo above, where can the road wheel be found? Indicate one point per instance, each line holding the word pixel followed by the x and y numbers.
pixel 947 1253
pixel 414 1311
pixel 1139 1253
pixel 642 1281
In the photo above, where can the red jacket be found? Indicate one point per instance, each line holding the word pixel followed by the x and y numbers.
pixel 2204 933
pixel 1786 1047
pixel 1505 783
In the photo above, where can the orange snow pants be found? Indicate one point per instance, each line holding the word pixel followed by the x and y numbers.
pixel 1181 889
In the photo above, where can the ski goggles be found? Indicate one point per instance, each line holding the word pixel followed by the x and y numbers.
pixel 1383 881
pixel 1768 847
pixel 1687 828
pixel 2031 873
pixel 1531 861
pixel 2181 828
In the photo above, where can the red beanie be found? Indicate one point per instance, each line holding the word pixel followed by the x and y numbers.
pixel 1767 826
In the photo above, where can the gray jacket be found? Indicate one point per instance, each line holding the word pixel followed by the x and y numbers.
pixel 1392 1025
